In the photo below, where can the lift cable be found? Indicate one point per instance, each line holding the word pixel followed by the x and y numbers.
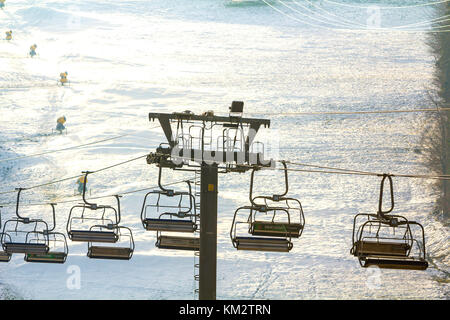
pixel 353 24
pixel 362 172
pixel 347 112
pixel 388 7
pixel 94 198
pixel 77 176
pixel 333 170
pixel 68 148
pixel 63 149
pixel 350 30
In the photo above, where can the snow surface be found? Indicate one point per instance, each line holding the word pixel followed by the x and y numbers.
pixel 128 58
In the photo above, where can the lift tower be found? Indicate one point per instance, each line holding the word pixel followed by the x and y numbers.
pixel 209 144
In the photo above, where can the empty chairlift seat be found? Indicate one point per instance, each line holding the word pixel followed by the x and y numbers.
pixel 57 253
pixel 178 243
pixel 389 262
pixel 122 250
pixel 93 236
pixel 279 242
pixel 4 257
pixel 49 257
pixel 171 225
pixel 388 241
pixel 23 247
pixel 292 220
pixel 276 229
pixel 404 252
pixel 179 214
pixel 365 248
pixel 14 240
pixel 263 244
pixel 104 252
pixel 407 263
pixel 95 223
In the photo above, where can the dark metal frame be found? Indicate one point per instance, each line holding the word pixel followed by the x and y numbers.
pixel 88 235
pixel 52 256
pixel 4 257
pixel 297 224
pixel 252 211
pixel 113 252
pixel 182 213
pixel 10 247
pixel 393 252
pixel 220 161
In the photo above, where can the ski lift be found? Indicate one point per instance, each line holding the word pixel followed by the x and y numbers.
pixel 388 241
pixel 179 214
pixel 4 257
pixel 58 249
pixel 177 243
pixel 12 245
pixel 103 216
pixel 178 217
pixel 281 241
pixel 260 227
pixel 119 251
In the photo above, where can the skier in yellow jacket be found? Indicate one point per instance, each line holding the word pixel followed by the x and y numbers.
pixel 9 35
pixel 63 79
pixel 33 50
pixel 81 181
pixel 60 124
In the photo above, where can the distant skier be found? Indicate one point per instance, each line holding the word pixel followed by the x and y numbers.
pixel 9 35
pixel 63 79
pixel 60 124
pixel 33 50
pixel 2 4
pixel 81 182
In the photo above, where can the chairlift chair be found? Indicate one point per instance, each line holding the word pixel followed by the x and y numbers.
pixel 58 248
pixel 118 251
pixel 279 242
pixel 294 227
pixel 84 232
pixel 181 217
pixel 12 245
pixel 96 251
pixel 387 240
pixel 4 257
pixel 177 242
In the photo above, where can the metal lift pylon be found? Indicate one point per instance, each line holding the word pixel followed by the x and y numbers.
pixel 189 152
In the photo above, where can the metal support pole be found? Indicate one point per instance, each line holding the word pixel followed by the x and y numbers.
pixel 208 232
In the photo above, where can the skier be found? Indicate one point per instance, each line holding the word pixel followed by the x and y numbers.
pixel 63 76
pixel 2 4
pixel 81 182
pixel 9 35
pixel 33 50
pixel 60 124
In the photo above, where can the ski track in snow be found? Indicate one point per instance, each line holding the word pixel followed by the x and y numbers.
pixel 127 58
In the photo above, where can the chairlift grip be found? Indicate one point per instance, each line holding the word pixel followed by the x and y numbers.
pixel 382 213
pixel 91 205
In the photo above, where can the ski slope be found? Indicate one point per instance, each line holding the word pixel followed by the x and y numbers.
pixel 127 58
